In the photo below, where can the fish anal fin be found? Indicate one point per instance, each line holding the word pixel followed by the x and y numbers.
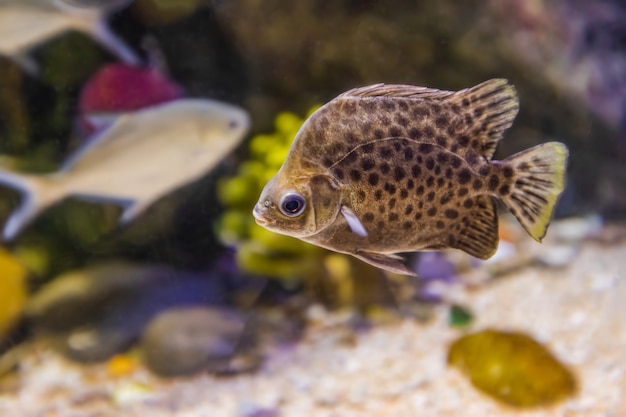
pixel 396 90
pixel 478 234
pixel 388 262
pixel 538 180
pixel 493 105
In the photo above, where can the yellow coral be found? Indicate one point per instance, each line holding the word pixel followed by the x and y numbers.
pixel 12 291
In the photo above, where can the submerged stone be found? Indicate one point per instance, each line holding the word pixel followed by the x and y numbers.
pixel 512 367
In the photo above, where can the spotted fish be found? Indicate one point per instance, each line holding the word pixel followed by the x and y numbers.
pixel 386 169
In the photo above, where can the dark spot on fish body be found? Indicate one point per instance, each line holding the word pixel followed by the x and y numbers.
pixel 404 193
pixel 420 112
pixel 440 182
pixel 463 191
pixel 415 133
pixel 507 172
pixel 430 164
pixel 351 158
pixel 440 225
pixel 425 148
pixel 477 184
pixel 437 170
pixel 396 145
pixel 395 131
pixel 323 122
pixel 326 202
pixel 351 137
pixel 380 225
pixel 368 148
pixel 417 216
pixel 408 154
pixel 420 205
pixel 451 213
pixel 407 225
pixel 451 240
pixel 338 172
pixel 378 134
pixel 378 195
pixel 432 212
pixel 335 148
pixel 478 111
pixel 327 162
pixel 419 190
pixel 468 203
pixel 373 179
pixel 393 217
pixel 430 196
pixel 484 170
pixel 389 105
pixel 416 171
pixel 355 175
pixel 494 181
pixel 401 120
pixel 381 209
pixel 349 107
pixel 475 144
pixel 408 210
pixel 385 168
pixel 504 190
pixel 361 195
pixel 419 159
pixel 456 162
pixel 403 106
pixel 524 166
pixel 384 120
pixel 390 188
pixel 465 102
pixel 448 174
pixel 430 181
pixel 442 157
pixel 366 128
pixel 368 217
pixel 442 121
pixel 441 140
pixel 445 199
pixel 464 176
pixel 436 107
pixel 471 157
pixel 398 174
pixel 463 140
pixel 468 120
pixel 429 131
pixel 367 164
pixel 392 203
pixel 369 105
pixel 410 184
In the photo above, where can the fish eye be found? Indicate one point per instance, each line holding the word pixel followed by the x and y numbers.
pixel 292 204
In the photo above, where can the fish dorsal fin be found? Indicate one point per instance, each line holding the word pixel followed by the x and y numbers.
pixel 396 90
pixel 493 105
pixel 478 228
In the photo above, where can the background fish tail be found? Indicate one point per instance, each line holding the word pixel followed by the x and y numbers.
pixel 538 179
pixel 37 195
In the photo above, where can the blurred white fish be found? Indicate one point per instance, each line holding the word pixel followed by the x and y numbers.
pixel 27 23
pixel 141 157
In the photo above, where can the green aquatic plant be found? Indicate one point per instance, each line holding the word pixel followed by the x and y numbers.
pixel 512 367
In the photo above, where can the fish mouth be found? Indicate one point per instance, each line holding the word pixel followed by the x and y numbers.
pixel 258 217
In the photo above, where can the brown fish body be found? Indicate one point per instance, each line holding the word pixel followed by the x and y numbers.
pixel 387 169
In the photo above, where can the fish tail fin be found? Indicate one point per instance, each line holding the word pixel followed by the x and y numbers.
pixel 538 178
pixel 38 193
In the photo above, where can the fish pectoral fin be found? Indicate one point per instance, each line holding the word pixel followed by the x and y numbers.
pixel 388 262
pixel 353 221
pixel 132 210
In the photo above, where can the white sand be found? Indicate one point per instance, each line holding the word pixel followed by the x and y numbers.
pixel 394 370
